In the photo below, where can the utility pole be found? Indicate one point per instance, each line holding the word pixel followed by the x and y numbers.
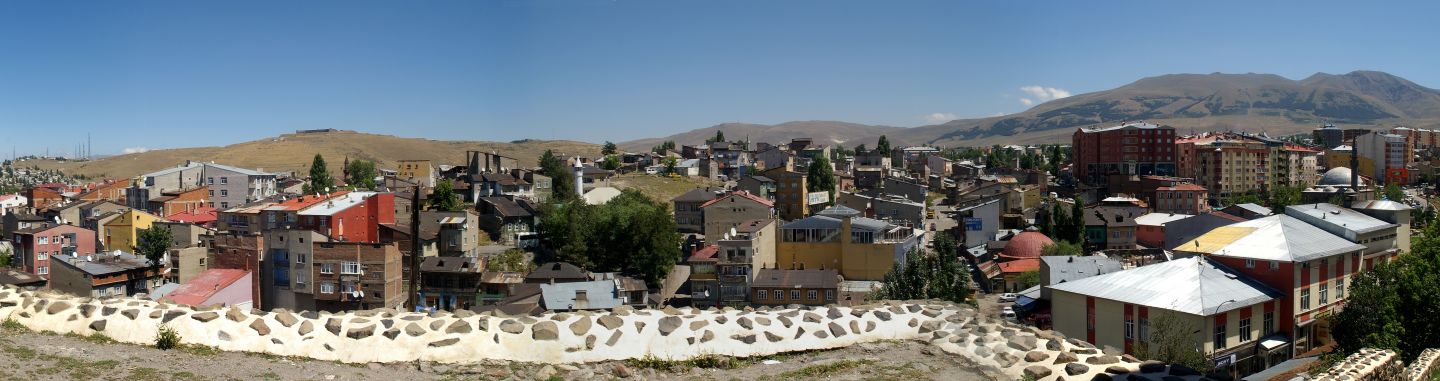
pixel 415 249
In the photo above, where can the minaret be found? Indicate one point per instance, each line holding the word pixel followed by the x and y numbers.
pixel 1354 173
pixel 579 178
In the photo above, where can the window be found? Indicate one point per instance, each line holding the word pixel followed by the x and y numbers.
pixel 1129 329
pixel 1339 288
pixel 1274 265
pixel 44 240
pixel 300 258
pixel 795 295
pixel 1305 299
pixel 210 181
pixel 760 295
pixel 224 205
pixel 327 268
pixel 812 295
pixel 1144 329
pixel 224 193
pixel 212 193
pixel 43 270
pixel 347 287
pixel 779 295
pixel 224 180
pixel 41 256
pixel 327 288
pixel 1324 294
pixel 1245 330
pixel 301 278
pixel 1249 263
pixel 349 267
pixel 1219 336
pixel 829 295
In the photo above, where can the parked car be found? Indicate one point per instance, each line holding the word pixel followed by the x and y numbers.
pixel 1007 297
pixel 1008 313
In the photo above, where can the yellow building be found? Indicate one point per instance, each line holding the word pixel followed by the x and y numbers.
pixel 838 238
pixel 1229 314
pixel 122 232
pixel 791 201
pixel 416 171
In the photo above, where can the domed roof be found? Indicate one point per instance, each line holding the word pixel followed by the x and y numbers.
pixel 1338 176
pixel 1026 245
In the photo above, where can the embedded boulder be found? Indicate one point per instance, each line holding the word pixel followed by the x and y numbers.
pixel 545 331
pixel 669 324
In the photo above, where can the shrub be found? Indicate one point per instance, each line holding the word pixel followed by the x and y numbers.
pixel 166 338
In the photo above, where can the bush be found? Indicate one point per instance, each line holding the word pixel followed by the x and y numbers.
pixel 166 338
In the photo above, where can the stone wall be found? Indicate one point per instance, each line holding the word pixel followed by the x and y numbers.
pixel 1367 365
pixel 1424 365
pixel 1001 350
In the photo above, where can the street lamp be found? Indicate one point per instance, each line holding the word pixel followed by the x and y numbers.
pixel 1222 304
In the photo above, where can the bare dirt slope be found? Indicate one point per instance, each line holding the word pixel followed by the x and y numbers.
pixel 294 152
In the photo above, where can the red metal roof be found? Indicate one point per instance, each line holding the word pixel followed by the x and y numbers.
pixel 207 284
pixel 1020 266
pixel 200 216
pixel 1182 187
pixel 742 193
pixel 303 202
pixel 705 254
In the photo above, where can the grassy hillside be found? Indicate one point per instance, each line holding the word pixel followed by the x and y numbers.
pixel 293 152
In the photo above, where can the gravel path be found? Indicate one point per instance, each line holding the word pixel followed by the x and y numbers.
pixel 36 356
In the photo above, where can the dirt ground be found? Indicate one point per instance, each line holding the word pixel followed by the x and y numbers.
pixel 42 356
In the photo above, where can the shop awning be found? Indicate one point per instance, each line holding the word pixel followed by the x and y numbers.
pixel 1274 341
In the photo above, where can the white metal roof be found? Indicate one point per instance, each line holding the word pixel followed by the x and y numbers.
pixel 1339 218
pixel 1273 238
pixel 1158 219
pixel 1192 285
pixel 337 204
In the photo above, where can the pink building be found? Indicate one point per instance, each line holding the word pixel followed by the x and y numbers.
pixel 1182 198
pixel 34 246
pixel 1150 228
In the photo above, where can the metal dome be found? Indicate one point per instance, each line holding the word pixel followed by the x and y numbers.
pixel 1338 176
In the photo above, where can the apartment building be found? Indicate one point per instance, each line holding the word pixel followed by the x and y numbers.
pixel 36 246
pixel 357 276
pixel 838 238
pixel 1132 148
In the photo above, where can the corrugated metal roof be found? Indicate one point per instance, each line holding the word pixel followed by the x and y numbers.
pixel 599 294
pixel 1063 269
pixel 1273 238
pixel 1338 218
pixel 1192 285
pixel 1158 219
pixel 337 204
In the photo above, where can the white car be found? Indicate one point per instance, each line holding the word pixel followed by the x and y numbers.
pixel 1007 297
pixel 1008 313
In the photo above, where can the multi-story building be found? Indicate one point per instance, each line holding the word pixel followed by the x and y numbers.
pixel 181 201
pixel 1225 164
pixel 416 171
pixel 36 246
pixel 1182 199
pixel 1389 155
pixel 689 217
pixel 352 217
pixel 451 283
pixel 1133 148
pixel 112 190
pixel 747 247
pixel 243 251
pixel 287 265
pixel 1300 167
pixel 1231 313
pixel 885 207
pixel 102 275
pixel 838 238
pixel 776 287
pixel 123 232
pixel 791 195
pixel 732 209
pixel 357 276
pixel 233 186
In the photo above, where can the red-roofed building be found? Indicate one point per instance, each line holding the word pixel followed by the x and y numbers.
pixel 217 287
pixel 730 210
pixel 1012 270
pixel 112 190
pixel 353 217
pixel 704 282
pixel 41 196
pixel 1182 199
pixel 204 216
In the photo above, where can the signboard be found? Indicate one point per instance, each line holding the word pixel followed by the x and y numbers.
pixel 1224 361
pixel 973 224
pixel 817 198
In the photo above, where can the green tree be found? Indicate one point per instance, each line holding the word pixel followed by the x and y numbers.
pixel 1062 248
pixel 719 136
pixel 1283 196
pixel 820 177
pixel 1173 340
pixel 512 260
pixel 1394 193
pixel 361 174
pixel 1393 305
pixel 860 149
pixel 320 180
pixel 562 180
pixel 608 149
pixel 610 163
pixel 670 164
pixel 1062 224
pixel 444 199
pixel 153 243
pixel 5 257
pixel 1247 197
pixel 1077 222
pixel 631 234
pixel 1028 279
pixel 883 145
pixel 921 276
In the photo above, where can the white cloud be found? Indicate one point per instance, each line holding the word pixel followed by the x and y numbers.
pixel 1042 94
pixel 131 150
pixel 940 117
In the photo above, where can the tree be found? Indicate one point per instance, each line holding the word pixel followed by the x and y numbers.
pixel 1247 197
pixel 361 174
pixel 860 149
pixel 1077 222
pixel 610 163
pixel 719 136
pixel 922 276
pixel 1047 224
pixel 1283 196
pixel 608 149
pixel 444 199
pixel 820 177
pixel 562 181
pixel 5 259
pixel 1062 223
pixel 153 243
pixel 632 234
pixel 1173 340
pixel 883 145
pixel 1394 193
pixel 1393 305
pixel 1062 248
pixel 667 145
pixel 1028 279
pixel 670 164
pixel 320 181
pixel 512 260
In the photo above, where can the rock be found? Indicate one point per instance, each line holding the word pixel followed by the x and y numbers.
pixel 639 327
pixel 1054 345
pixel 747 338
pixel 745 322
pixel 333 325
pixel 614 339
pixel 131 313
pixel 1036 356
pixel 836 329
pixel 413 329
pixel 361 333
pixel 1152 366
pixel 545 331
pixel 260 327
pixel 623 371
pixel 721 319
pixel 884 316
pixel 107 311
pixel 707 336
pixel 1118 369
pixel 512 327
pixel 306 327
pixel 763 321
pixel 464 314
pixel 983 352
pixel 205 317
pixel 87 310
pixel 590 342
pixel 1128 358
pixel 580 326
pixel 1065 358
pixel 1005 359
pixel 445 343
pixel 1102 360
pixel 437 324
pixel 235 315
pixel 1101 377
pixel 1182 371
pixel 1024 343
pixel 608 321
pixel 1037 372
pixel 57 307
pixel 669 310
pixel 669 324
pixel 698 324
pixel 285 318
pixel 391 334
pixel 97 325
pixel 855 326
pixel 1076 368
pixel 834 313
pixel 811 317
pixel 929 326
pixel 223 336
pixel 545 373
pixel 459 326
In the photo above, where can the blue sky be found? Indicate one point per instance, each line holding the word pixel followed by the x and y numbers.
pixel 158 74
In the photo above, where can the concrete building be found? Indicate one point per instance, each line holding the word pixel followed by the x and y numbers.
pixel 1133 148
pixel 838 238
pixel 352 217
pixel 747 247
pixel 37 246
pixel 233 186
pixel 1225 164
pixel 106 274
pixel 791 194
pixel 1111 227
pixel 730 210
pixel 1059 269
pixel 416 171
pixel 689 217
pixel 220 288
pixel 1389 155
pixel 451 283
pixel 1182 198
pixel 184 200
pixel 1231 312
pixel 777 287
pixel 1150 228
pixel 288 263
pixel 757 185
pixel 357 276
pixel 893 209
pixel 123 232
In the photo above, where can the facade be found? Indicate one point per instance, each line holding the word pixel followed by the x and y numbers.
pixel 748 247
pixel 757 185
pixel 1111 227
pixel 123 232
pixel 893 209
pixel 689 217
pixel 1389 155
pixel 112 190
pixel 233 186
pixel 1134 148
pixel 357 276
pixel 102 275
pixel 838 238
pixel 730 210
pixel 791 201
pixel 449 283
pixel 288 268
pixel 1232 313
pixel 35 247
pixel 181 201
pixel 1150 228
pixel 240 251
pixel 1225 164
pixel 352 217
pixel 776 287
pixel 1182 198
pixel 416 171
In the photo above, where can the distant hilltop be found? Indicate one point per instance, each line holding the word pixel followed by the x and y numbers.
pixel 319 131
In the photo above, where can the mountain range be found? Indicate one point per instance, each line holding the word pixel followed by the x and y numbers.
pixel 1190 102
